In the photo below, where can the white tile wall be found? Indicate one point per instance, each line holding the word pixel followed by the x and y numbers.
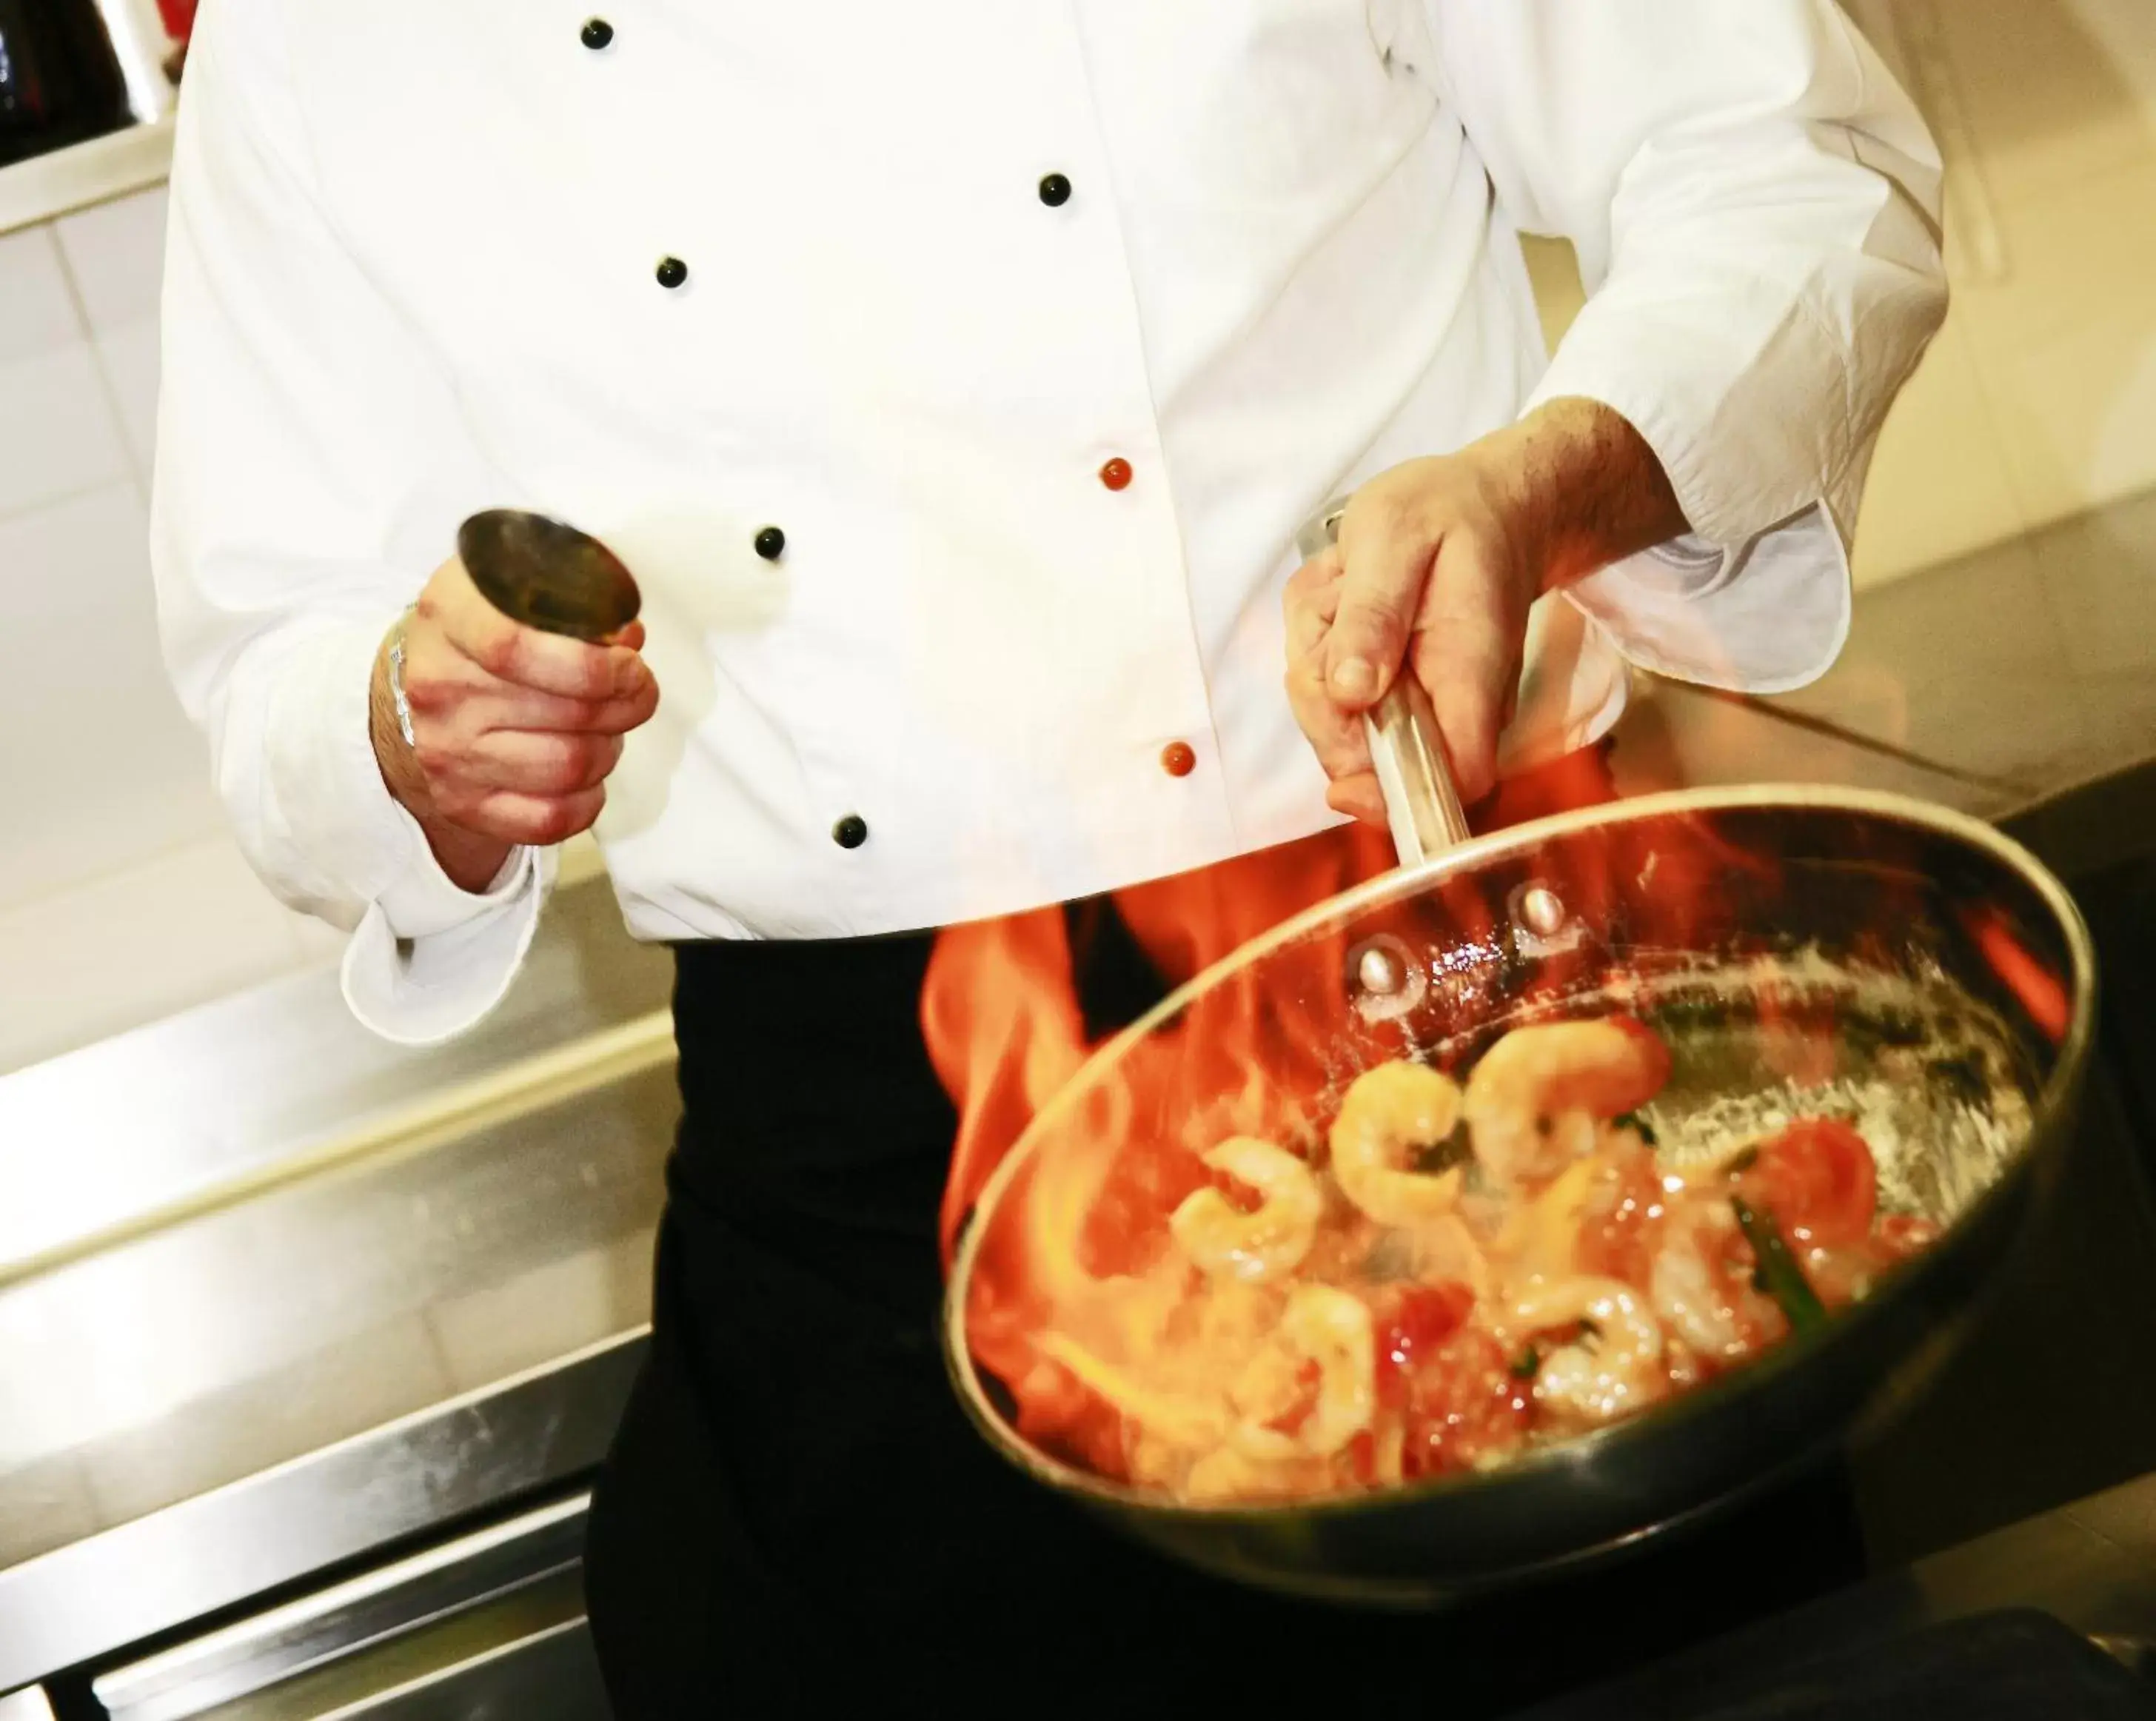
pixel 115 257
pixel 121 896
pixel 79 964
pixel 100 769
pixel 58 434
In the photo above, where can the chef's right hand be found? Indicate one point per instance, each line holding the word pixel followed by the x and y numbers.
pixel 514 731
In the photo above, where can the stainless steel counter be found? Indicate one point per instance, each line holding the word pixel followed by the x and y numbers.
pixel 274 1293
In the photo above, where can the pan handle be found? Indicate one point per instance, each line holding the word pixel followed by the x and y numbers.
pixel 1422 803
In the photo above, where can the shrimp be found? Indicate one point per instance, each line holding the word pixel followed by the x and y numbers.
pixel 1389 1111
pixel 1253 1246
pixel 1534 1102
pixel 1331 1330
pixel 1704 1297
pixel 1605 1376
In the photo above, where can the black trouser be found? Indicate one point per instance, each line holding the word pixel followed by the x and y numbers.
pixel 796 1511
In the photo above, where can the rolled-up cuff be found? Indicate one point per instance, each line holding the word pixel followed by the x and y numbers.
pixel 418 988
pixel 1764 616
pixel 427 960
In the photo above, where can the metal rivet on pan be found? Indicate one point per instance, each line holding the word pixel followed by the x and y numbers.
pixel 1542 910
pixel 1380 970
pixel 1385 978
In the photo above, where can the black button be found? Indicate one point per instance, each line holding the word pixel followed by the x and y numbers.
pixel 597 33
pixel 770 544
pixel 1054 190
pixel 672 271
pixel 850 832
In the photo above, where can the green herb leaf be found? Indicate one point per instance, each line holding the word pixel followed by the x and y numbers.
pixel 1525 1365
pixel 1778 1273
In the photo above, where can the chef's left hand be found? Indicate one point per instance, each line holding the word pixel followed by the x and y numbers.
pixel 1438 563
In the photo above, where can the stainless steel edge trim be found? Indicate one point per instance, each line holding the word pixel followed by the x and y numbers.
pixel 339 1621
pixel 464 1456
pixel 47 186
pixel 506 1674
pixel 154 1123
pixel 518 1090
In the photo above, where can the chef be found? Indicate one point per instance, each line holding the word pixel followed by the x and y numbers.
pixel 954 379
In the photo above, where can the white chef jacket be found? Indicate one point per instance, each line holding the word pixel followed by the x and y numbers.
pixel 418 267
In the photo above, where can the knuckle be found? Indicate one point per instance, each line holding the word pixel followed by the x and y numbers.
pixel 500 652
pixel 425 691
pixel 554 823
pixel 567 769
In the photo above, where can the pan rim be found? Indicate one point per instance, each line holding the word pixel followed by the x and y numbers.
pixel 2060 1084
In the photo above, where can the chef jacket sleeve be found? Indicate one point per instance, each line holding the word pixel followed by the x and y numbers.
pixel 310 465
pixel 1754 203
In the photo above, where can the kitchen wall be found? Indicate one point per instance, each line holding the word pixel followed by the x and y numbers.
pixel 121 898
pixel 2038 400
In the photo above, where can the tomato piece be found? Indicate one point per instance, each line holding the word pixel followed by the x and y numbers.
pixel 1817 1179
pixel 1362 1457
pixel 1420 1320
pixel 1464 1402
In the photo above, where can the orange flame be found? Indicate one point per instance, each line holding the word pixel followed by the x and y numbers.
pixel 999 1007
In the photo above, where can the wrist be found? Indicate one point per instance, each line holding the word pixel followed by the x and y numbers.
pixel 1586 488
pixel 471 860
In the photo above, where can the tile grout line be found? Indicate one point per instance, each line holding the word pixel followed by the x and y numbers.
pixel 74 493
pixel 139 479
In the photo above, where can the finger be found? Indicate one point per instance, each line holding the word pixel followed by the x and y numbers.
pixel 1358 797
pixel 1335 736
pixel 540 764
pixel 1312 599
pixel 1466 655
pixel 631 636
pixel 540 820
pixel 442 684
pixel 1386 557
pixel 552 663
pixel 509 707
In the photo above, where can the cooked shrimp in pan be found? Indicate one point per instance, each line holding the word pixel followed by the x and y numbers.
pixel 1378 1319
pixel 1313 1390
pixel 1535 1102
pixel 1610 1364
pixel 1391 1113
pixel 1260 1245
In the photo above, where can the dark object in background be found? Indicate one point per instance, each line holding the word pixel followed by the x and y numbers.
pixel 61 81
pixel 179 21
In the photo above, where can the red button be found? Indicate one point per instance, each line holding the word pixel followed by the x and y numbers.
pixel 1117 473
pixel 1179 758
